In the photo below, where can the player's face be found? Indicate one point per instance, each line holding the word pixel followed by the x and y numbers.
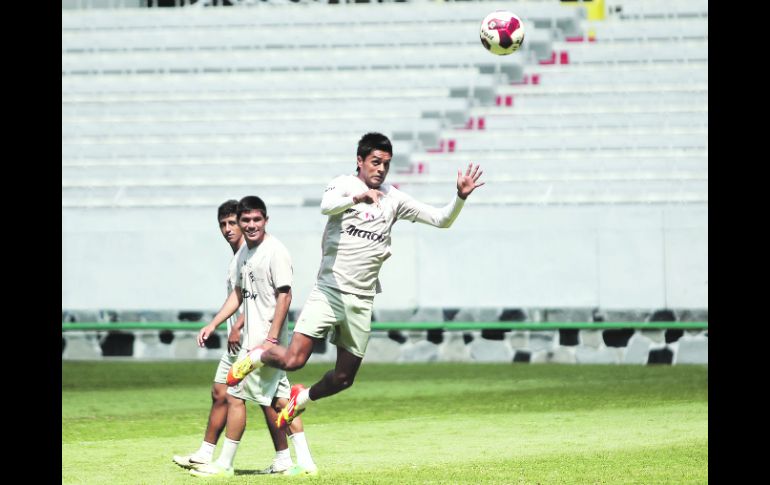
pixel 374 168
pixel 252 224
pixel 230 230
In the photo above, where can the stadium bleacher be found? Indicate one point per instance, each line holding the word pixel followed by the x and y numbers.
pixel 186 107
pixel 431 88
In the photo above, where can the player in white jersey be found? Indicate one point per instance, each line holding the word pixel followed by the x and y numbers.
pixel 362 209
pixel 228 226
pixel 263 278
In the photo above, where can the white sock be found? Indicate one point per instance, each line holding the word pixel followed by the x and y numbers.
pixel 206 450
pixel 255 355
pixel 227 456
pixel 302 451
pixel 282 456
pixel 303 399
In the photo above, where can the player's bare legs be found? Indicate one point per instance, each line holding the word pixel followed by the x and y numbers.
pixel 334 381
pixel 236 424
pixel 236 418
pixel 282 459
pixel 282 462
pixel 218 413
pixel 278 436
pixel 214 427
pixel 292 358
pixel 339 378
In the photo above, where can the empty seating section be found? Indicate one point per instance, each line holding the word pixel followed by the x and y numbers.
pixel 572 191
pixel 289 60
pixel 643 30
pixel 288 17
pixel 648 74
pixel 188 106
pixel 634 53
pixel 657 9
pixel 277 84
pixel 580 139
pixel 579 121
pixel 282 37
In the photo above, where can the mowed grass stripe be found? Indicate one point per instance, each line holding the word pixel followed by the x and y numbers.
pixel 434 424
pixel 522 443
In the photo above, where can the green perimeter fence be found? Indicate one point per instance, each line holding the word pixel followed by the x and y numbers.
pixel 410 325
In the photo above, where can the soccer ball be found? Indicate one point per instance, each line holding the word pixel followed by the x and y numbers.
pixel 501 32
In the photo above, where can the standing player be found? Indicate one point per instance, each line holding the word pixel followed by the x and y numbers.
pixel 362 209
pixel 263 275
pixel 228 226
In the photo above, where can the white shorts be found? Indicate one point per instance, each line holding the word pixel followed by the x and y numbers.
pixel 227 361
pixel 262 385
pixel 349 316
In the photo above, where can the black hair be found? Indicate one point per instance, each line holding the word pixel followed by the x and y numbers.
pixel 373 141
pixel 226 208
pixel 251 203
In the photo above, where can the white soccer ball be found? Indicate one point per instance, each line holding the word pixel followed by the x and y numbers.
pixel 502 32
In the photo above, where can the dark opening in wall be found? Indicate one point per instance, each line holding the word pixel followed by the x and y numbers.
pixel 189 316
pixel 397 336
pixel 660 356
pixel 521 356
pixel 617 337
pixel 493 334
pixel 118 344
pixel 568 336
pixel 513 315
pixel 436 335
pixel 449 314
pixel 673 334
pixel 664 315
pixel 166 336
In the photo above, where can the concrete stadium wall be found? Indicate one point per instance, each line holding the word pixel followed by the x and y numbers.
pixel 622 346
pixel 607 257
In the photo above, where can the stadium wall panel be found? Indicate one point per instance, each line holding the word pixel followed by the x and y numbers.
pixel 607 257
pixel 638 347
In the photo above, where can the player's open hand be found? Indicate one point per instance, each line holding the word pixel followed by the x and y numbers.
pixel 469 182
pixel 234 340
pixel 203 335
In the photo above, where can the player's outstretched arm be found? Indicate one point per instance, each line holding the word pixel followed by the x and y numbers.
pixel 234 300
pixel 467 183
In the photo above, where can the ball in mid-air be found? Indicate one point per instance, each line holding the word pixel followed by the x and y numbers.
pixel 502 32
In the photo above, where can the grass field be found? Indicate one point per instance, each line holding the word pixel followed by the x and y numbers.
pixel 404 424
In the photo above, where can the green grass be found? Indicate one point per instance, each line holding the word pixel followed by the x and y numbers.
pixel 405 424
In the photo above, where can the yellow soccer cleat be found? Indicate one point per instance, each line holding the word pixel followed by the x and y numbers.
pixel 243 367
pixel 291 410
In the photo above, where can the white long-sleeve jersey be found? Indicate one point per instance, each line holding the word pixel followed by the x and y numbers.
pixel 356 240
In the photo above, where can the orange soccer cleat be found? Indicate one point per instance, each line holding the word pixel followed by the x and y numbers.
pixel 291 410
pixel 243 367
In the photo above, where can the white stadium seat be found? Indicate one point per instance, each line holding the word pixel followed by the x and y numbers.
pixel 180 106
